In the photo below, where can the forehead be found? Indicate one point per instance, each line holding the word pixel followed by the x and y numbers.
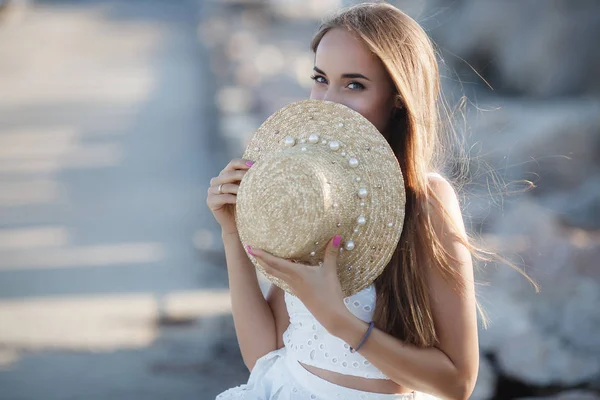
pixel 341 52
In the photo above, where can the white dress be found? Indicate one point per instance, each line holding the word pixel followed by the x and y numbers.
pixel 279 375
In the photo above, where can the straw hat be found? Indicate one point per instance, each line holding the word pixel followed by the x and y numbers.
pixel 322 169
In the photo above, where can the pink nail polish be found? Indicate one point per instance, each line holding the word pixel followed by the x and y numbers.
pixel 336 241
pixel 249 248
pixel 249 163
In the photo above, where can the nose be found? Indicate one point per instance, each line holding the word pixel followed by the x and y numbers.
pixel 331 95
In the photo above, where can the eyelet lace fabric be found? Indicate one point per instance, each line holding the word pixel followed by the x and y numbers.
pixel 279 375
pixel 308 341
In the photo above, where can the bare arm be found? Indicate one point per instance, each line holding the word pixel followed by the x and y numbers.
pixel 259 322
pixel 448 370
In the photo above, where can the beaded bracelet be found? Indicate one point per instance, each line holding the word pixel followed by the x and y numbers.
pixel 364 339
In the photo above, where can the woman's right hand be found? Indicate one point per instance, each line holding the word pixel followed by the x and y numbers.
pixel 222 203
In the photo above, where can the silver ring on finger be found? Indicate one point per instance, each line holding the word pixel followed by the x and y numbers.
pixel 220 189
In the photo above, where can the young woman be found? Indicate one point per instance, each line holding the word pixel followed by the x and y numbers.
pixel 378 61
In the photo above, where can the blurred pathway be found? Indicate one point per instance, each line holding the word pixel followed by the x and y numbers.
pixel 107 141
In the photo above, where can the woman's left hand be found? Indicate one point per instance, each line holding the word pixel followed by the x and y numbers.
pixel 317 287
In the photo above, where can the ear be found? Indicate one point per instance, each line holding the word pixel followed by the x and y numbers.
pixel 398 103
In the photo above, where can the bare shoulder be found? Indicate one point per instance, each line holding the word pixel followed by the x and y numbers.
pixel 446 194
pixel 441 187
pixel 454 312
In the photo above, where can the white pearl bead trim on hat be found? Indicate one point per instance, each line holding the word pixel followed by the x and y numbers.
pixel 290 141
pixel 346 171
pixel 353 163
pixel 314 138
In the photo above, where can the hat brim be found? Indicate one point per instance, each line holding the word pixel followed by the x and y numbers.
pixel 378 169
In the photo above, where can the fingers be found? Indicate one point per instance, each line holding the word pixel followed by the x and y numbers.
pixel 238 163
pixel 217 201
pixel 332 251
pixel 226 183
pixel 273 271
pixel 278 267
pixel 226 188
pixel 228 177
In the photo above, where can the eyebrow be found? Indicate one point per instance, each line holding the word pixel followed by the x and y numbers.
pixel 349 76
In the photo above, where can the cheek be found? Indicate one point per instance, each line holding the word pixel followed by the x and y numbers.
pixel 371 105
pixel 316 93
pixel 373 109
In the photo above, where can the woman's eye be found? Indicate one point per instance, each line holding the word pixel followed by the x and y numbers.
pixel 318 79
pixel 356 86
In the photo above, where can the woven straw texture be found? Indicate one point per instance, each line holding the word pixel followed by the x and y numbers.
pixel 302 192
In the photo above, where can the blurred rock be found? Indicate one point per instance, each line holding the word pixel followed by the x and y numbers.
pixel 541 359
pixel 550 337
pixel 554 144
pixel 486 381
pixel 580 206
pixel 521 47
pixel 569 395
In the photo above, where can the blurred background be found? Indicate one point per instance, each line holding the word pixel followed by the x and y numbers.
pixel 114 115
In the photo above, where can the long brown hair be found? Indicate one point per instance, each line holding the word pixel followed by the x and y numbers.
pixel 403 308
